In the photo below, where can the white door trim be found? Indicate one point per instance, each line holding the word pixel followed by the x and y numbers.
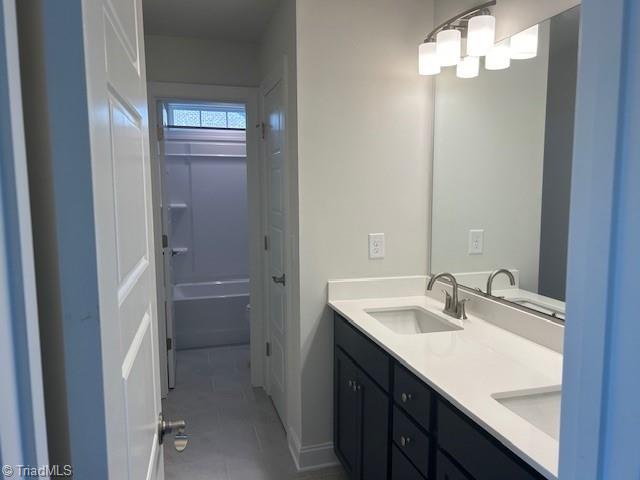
pixel 23 434
pixel 158 91
pixel 600 408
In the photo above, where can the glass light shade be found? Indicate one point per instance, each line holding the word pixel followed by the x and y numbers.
pixel 448 47
pixel 499 57
pixel 524 45
pixel 468 67
pixel 481 35
pixel 427 59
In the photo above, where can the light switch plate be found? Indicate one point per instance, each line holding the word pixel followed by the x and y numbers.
pixel 376 245
pixel 476 242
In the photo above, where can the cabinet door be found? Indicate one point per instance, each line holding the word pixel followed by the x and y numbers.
pixel 346 413
pixel 446 470
pixel 374 410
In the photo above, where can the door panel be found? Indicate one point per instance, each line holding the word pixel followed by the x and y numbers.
pixel 116 93
pixel 375 429
pixel 273 102
pixel 346 421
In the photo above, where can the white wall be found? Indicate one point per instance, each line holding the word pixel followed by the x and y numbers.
pixel 365 139
pixel 195 60
pixel 488 161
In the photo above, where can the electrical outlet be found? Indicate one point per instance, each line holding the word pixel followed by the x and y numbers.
pixel 376 245
pixel 476 242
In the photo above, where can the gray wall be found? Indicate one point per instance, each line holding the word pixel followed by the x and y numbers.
pixel 558 152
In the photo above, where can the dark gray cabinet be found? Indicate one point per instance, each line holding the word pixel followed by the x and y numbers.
pixel 361 421
pixel 389 424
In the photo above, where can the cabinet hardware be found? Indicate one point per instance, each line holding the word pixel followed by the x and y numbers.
pixel 405 397
pixel 404 441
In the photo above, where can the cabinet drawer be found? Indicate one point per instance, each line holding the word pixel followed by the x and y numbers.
pixel 446 470
pixel 371 358
pixel 413 396
pixel 411 440
pixel 474 449
pixel 401 468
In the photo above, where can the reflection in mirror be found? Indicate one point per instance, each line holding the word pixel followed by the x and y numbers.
pixel 502 169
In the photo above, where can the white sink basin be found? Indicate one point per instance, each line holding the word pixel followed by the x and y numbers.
pixel 539 407
pixel 412 320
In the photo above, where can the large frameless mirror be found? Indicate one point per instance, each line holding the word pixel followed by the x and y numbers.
pixel 502 169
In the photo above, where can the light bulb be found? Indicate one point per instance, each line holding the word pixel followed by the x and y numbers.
pixel 524 45
pixel 427 59
pixel 468 67
pixel 499 57
pixel 481 35
pixel 448 47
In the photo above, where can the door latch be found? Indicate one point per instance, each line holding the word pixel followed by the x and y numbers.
pixel 166 427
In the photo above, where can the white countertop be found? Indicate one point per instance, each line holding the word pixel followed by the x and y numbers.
pixel 467 366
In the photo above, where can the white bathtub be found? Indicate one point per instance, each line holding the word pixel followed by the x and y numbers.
pixel 211 314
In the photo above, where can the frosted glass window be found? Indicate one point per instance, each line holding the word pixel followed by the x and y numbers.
pixel 236 120
pixel 220 115
pixel 186 118
pixel 214 119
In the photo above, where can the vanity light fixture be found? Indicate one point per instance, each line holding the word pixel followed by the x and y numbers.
pixel 468 67
pixel 524 45
pixel 448 47
pixel 428 63
pixel 477 24
pixel 499 57
pixel 481 35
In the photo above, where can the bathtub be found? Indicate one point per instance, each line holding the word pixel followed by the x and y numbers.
pixel 211 314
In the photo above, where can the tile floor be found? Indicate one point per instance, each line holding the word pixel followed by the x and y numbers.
pixel 235 433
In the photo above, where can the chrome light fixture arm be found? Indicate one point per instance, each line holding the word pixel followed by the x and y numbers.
pixel 458 22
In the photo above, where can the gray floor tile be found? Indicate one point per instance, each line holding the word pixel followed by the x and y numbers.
pixel 235 433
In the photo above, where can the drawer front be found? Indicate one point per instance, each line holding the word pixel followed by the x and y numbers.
pixel 413 396
pixel 412 441
pixel 371 358
pixel 401 468
pixel 446 470
pixel 475 450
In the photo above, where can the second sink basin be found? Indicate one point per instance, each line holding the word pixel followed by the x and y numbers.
pixel 412 320
pixel 539 407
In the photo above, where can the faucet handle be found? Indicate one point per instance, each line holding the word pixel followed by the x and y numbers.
pixel 462 310
pixel 447 299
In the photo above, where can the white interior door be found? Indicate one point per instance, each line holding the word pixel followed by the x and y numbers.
pixel 121 180
pixel 274 144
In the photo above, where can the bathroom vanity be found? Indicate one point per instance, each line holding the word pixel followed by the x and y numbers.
pixel 419 395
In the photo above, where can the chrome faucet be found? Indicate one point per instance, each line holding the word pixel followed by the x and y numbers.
pixel 495 273
pixel 452 306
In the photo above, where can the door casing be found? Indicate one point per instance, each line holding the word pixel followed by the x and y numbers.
pixel 163 91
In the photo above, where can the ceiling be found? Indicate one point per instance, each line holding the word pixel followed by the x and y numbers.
pixel 234 20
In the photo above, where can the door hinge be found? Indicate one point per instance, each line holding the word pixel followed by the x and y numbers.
pixel 268 349
pixel 165 240
pixel 169 344
pixel 264 130
pixel 266 242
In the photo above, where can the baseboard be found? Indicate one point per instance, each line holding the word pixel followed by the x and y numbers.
pixel 311 457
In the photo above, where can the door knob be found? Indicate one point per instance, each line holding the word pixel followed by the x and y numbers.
pixel 281 279
pixel 166 426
